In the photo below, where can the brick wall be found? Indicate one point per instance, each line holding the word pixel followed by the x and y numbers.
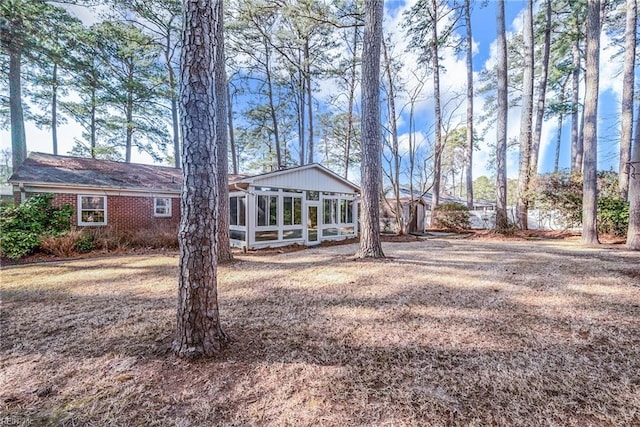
pixel 128 213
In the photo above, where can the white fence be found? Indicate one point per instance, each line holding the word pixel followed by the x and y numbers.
pixel 538 219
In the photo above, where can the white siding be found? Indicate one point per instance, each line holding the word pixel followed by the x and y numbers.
pixel 306 179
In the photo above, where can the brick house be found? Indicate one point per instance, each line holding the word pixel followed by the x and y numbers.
pixel 304 205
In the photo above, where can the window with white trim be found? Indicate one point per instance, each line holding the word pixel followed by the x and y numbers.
pixel 237 211
pixel 92 210
pixel 162 206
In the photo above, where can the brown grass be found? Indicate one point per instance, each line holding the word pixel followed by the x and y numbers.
pixel 444 332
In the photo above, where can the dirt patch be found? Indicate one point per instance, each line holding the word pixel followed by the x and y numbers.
pixel 444 332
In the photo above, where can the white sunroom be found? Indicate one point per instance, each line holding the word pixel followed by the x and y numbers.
pixel 303 205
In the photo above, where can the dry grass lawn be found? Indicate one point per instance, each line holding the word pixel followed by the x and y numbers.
pixel 444 332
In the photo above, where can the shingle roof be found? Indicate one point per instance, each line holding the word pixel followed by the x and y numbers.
pixel 69 171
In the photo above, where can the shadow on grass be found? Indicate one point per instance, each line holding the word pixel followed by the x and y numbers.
pixel 478 350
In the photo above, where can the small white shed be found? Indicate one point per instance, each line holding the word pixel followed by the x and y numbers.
pixel 302 205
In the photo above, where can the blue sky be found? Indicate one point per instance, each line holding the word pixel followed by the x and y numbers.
pixel 484 33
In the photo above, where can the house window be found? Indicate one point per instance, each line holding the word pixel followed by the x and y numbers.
pixel 92 210
pixel 346 211
pixel 292 210
pixel 162 206
pixel 237 211
pixel 330 211
pixel 267 210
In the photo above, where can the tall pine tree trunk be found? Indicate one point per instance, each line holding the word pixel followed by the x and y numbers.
pixel 18 136
pixel 394 174
pixel 371 166
pixel 198 329
pixel 633 233
pixel 524 176
pixel 590 159
pixel 307 73
pixel 352 92
pixel 54 108
pixel 272 107
pixel 94 131
pixel 542 93
pixel 469 60
pixel 232 142
pixel 502 221
pixel 173 88
pixel 627 98
pixel 129 118
pixel 439 145
pixel 576 140
pixel 222 146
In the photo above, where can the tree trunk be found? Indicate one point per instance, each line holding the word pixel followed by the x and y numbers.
pixel 54 108
pixel 301 109
pixel 175 123
pixel 222 236
pixel 502 221
pixel 590 125
pixel 129 117
pixel 439 146
pixel 307 68
pixel 556 161
pixel 93 131
pixel 232 142
pixel 18 136
pixel 198 329
pixel 272 108
pixel 633 233
pixel 542 93
pixel 576 141
pixel 627 98
pixel 524 175
pixel 371 167
pixel 469 153
pixel 393 125
pixel 352 92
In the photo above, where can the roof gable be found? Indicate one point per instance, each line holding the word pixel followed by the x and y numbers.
pixel 312 177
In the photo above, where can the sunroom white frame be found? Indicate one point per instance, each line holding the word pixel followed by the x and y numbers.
pixel 298 183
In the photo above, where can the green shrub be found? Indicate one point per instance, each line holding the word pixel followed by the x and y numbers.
pixel 85 243
pixel 23 226
pixel 562 193
pixel 454 216
pixel 613 216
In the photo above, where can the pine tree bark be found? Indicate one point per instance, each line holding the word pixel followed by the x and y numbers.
pixel 307 74
pixel 18 136
pixel 371 166
pixel 469 60
pixel 198 329
pixel 524 175
pixel 224 243
pixel 173 86
pixel 576 140
pixel 502 221
pixel 54 108
pixel 633 233
pixel 439 145
pixel 542 93
pixel 590 157
pixel 232 142
pixel 627 98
